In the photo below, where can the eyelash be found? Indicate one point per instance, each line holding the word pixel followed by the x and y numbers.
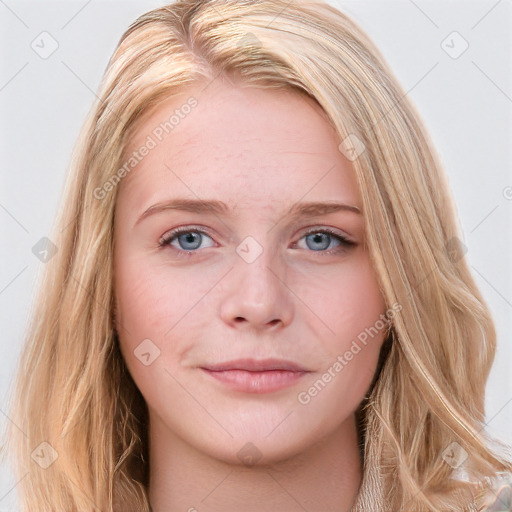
pixel 165 240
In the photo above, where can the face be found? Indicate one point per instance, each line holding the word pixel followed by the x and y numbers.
pixel 206 292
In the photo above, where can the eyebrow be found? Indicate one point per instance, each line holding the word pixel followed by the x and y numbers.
pixel 310 209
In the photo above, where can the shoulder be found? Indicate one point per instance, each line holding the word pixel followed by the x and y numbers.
pixel 499 495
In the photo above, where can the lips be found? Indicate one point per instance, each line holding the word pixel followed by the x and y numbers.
pixel 256 376
pixel 254 365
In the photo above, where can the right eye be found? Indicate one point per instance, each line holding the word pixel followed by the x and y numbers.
pixel 188 239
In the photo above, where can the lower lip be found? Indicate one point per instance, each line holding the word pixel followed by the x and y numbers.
pixel 256 382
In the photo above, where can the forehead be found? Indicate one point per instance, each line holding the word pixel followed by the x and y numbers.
pixel 240 142
pixel 231 113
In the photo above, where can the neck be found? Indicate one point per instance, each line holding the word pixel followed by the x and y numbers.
pixel 326 476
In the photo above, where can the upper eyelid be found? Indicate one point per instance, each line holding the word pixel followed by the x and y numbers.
pixel 175 232
pixel 335 231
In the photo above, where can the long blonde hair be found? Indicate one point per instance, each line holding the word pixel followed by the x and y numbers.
pixel 78 430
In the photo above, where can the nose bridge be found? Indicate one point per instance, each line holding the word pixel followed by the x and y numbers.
pixel 258 293
pixel 256 269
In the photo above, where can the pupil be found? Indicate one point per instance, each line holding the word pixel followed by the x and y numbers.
pixel 317 239
pixel 190 238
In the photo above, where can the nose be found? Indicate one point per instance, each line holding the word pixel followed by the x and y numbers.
pixel 256 295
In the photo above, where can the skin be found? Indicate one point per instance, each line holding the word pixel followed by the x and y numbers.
pixel 304 298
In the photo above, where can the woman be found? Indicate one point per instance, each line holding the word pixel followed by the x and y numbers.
pixel 259 300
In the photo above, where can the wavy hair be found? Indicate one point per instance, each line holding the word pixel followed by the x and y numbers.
pixel 78 430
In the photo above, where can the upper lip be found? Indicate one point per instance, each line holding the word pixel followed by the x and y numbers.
pixel 256 365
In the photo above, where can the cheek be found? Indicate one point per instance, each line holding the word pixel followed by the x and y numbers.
pixel 150 299
pixel 355 315
pixel 156 304
pixel 147 309
pixel 349 302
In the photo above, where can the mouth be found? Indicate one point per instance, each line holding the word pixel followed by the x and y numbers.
pixel 253 376
pixel 257 365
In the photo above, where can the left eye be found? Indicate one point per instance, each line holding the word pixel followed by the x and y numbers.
pixel 320 240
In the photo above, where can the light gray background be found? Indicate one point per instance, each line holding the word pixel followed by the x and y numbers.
pixel 465 102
